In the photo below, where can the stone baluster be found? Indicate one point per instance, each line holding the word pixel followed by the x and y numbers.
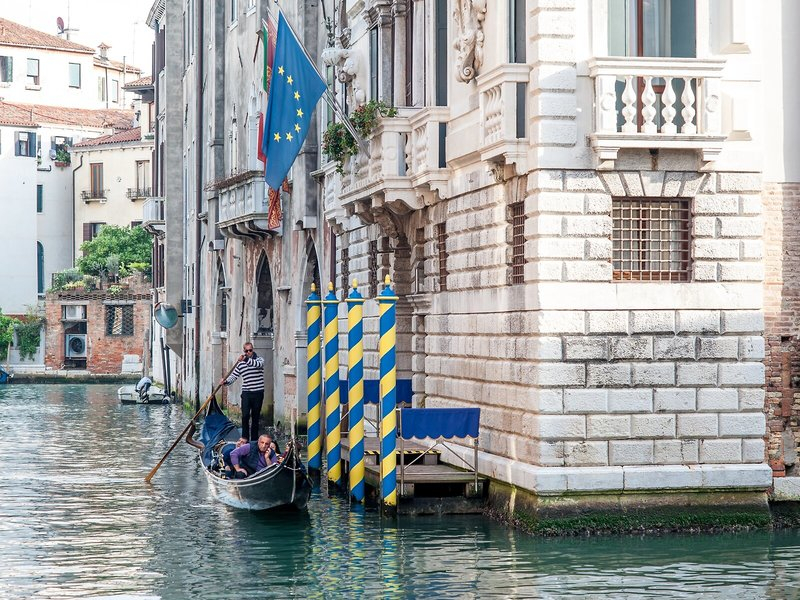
pixel 648 106
pixel 668 112
pixel 712 116
pixel 629 108
pixel 606 109
pixel 688 112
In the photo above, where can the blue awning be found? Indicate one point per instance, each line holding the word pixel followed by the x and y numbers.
pixel 372 393
pixel 439 422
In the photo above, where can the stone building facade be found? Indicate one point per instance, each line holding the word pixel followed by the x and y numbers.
pixel 571 203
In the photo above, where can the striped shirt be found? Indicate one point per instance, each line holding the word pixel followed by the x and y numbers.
pixel 251 370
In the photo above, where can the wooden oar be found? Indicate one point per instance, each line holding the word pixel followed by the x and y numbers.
pixel 186 429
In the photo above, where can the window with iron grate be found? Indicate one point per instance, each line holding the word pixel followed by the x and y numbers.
pixel 119 319
pixel 345 268
pixel 441 248
pixel 516 218
pixel 372 265
pixel 651 239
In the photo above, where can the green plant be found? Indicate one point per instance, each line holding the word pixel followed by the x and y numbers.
pixel 89 282
pixel 338 143
pixel 29 333
pixel 114 289
pixel 63 156
pixel 63 278
pixel 128 244
pixel 6 333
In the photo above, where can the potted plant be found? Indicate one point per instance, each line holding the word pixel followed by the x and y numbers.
pixel 338 143
pixel 62 158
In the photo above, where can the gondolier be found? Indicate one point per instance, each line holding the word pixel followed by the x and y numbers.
pixel 250 367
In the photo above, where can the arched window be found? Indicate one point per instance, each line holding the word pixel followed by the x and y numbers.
pixel 40 267
pixel 264 307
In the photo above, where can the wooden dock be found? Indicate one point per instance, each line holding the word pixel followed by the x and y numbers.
pixel 428 485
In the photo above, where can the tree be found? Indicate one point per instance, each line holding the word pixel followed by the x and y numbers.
pixel 127 247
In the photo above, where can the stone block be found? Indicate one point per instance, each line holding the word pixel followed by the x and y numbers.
pixel 718 347
pixel 587 271
pixel 549 104
pixel 558 248
pixel 742 321
pixel 585 454
pixel 705 249
pixel 676 452
pixel 741 271
pixel 559 374
pixel 608 426
pixel 554 23
pixel 741 374
pixel 697 374
pixel 652 182
pixel 595 479
pixel 545 401
pixel 633 183
pixel 613 183
pixel 672 184
pixel 630 348
pixel 559 321
pixel 556 132
pixel 737 476
pixel 544 270
pixel 588 225
pixel 705 227
pixel 665 348
pixel 541 348
pixel 742 425
pixel 752 249
pixel 720 451
pixel 608 375
pixel 608 321
pixel 698 321
pixel 705 271
pixel 751 399
pixel 585 401
pixel 556 202
pixel 586 347
pixel 597 204
pixel 633 452
pixel 786 489
pixel 739 182
pixel 750 204
pixel 598 249
pixel 545 179
pixel 653 374
pixel 542 225
pixel 697 426
pixel 717 399
pixel 662 478
pixel 653 426
pixel 560 427
pixel 717 204
pixel 740 227
pixel 584 181
pixel 653 321
pixel 630 401
pixel 674 400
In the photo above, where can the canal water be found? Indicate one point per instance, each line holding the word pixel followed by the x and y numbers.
pixel 78 521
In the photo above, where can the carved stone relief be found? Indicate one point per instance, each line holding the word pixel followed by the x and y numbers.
pixel 469 16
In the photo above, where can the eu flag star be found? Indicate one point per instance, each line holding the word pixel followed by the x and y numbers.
pixel 299 112
pixel 297 127
pixel 288 136
pixel 280 70
pixel 277 137
pixel 289 80
pixel 297 95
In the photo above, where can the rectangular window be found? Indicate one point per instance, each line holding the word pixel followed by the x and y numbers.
pixel 96 170
pixel 6 69
pixel 651 239
pixel 90 231
pixel 39 198
pixel 143 178
pixel 516 218
pixel 652 28
pixel 234 10
pixel 73 312
pixel 101 89
pixel 119 319
pixel 74 75
pixel 372 266
pixel 25 143
pixel 374 64
pixel 114 90
pixel 440 69
pixel 33 71
pixel 345 268
pixel 516 31
pixel 441 248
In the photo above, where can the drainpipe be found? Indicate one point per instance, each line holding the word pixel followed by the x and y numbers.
pixel 200 48
pixel 74 211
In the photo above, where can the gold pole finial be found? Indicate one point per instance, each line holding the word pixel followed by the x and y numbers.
pixel 355 283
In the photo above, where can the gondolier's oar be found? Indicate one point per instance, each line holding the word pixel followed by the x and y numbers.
pixel 183 433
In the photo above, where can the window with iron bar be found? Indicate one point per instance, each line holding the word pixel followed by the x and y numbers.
pixel 372 266
pixel 345 268
pixel 119 319
pixel 441 247
pixel 651 239
pixel 516 218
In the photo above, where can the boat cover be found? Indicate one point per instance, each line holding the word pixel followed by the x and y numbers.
pixel 423 423
pixel 216 427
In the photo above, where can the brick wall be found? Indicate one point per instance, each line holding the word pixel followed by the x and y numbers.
pixel 781 312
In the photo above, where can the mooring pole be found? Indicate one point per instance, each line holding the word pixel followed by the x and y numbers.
pixel 333 436
pixel 387 302
pixel 355 394
pixel 313 322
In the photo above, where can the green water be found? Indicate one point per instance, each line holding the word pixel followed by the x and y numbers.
pixel 78 521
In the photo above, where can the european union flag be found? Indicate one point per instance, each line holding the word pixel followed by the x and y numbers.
pixel 294 91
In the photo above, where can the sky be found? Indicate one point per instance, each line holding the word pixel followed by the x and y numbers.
pixel 122 24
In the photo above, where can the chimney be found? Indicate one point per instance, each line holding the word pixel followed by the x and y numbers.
pixel 103 50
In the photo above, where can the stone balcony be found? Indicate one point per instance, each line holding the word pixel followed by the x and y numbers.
pixel 153 216
pixel 243 206
pixel 425 153
pixel 653 103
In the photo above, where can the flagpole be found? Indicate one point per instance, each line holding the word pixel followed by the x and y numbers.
pixel 329 97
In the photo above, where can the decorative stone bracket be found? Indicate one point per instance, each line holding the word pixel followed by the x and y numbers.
pixel 469 16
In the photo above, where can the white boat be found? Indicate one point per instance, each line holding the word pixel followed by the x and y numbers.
pixel 127 394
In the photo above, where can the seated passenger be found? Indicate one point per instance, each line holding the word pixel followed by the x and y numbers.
pixel 277 451
pixel 227 468
pixel 253 457
pixel 143 386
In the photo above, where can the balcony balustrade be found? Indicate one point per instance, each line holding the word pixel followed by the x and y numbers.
pixel 94 195
pixel 139 193
pixel 243 206
pixel 652 103
pixel 153 215
pixel 425 153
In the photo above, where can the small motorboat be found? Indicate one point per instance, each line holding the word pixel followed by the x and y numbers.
pixel 284 484
pixel 5 376
pixel 128 394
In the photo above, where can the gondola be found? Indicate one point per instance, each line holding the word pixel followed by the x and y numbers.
pixel 127 394
pixel 285 484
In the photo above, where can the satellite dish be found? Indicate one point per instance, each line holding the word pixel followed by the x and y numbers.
pixel 60 24
pixel 165 315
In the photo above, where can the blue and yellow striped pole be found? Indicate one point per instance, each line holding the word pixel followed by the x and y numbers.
pixel 355 394
pixel 314 325
pixel 387 302
pixel 333 436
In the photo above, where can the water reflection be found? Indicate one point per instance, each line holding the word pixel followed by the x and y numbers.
pixel 78 521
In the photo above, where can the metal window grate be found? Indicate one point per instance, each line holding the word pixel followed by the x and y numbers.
pixel 372 265
pixel 516 217
pixel 651 239
pixel 119 319
pixel 441 247
pixel 345 268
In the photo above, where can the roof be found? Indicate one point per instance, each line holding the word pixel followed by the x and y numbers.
pixel 130 135
pixel 35 115
pixel 142 82
pixel 14 34
pixel 99 61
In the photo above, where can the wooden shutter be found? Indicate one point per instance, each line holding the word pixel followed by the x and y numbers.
pixel 87 232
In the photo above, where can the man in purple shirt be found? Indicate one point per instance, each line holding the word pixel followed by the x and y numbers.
pixel 253 457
